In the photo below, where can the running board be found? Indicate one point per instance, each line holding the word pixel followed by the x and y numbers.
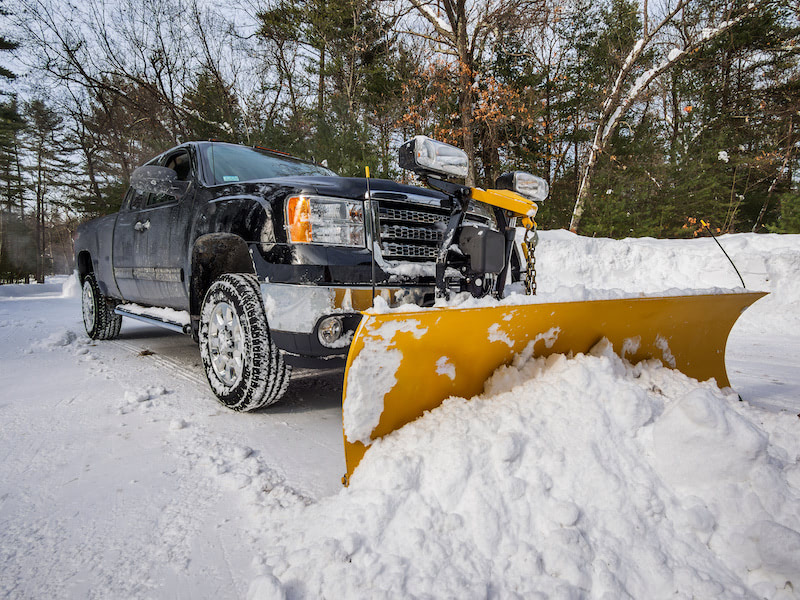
pixel 172 326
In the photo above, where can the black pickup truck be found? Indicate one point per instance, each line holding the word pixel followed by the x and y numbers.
pixel 266 260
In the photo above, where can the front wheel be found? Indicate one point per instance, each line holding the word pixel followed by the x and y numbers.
pixel 244 368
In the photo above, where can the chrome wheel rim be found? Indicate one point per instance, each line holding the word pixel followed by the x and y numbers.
pixel 88 306
pixel 226 344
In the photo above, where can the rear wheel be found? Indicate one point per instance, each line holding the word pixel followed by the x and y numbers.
pixel 243 366
pixel 113 320
pixel 99 319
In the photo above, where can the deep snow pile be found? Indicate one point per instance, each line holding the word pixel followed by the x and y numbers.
pixel 567 477
pixel 767 262
pixel 122 478
pixel 572 477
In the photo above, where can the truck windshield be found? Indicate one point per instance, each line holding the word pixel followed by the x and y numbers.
pixel 228 164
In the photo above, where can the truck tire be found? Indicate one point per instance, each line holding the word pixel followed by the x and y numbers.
pixel 245 369
pixel 113 322
pixel 99 318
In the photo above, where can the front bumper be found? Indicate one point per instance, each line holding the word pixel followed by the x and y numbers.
pixel 295 312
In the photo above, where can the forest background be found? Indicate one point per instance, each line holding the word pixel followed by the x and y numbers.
pixel 645 116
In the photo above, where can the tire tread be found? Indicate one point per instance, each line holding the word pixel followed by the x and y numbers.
pixel 266 375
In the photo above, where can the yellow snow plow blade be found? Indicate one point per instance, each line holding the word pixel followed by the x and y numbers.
pixel 402 364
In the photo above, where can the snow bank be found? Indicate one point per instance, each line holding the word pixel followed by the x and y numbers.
pixel 28 290
pixel 575 268
pixel 570 477
pixel 767 262
pixel 66 286
pixel 568 265
pixel 566 478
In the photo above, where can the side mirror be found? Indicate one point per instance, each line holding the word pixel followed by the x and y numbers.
pixel 158 180
pixel 532 187
pixel 425 156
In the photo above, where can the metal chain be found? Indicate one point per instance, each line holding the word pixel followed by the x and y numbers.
pixel 528 248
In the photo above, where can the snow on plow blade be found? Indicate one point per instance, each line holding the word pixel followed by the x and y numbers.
pixel 404 363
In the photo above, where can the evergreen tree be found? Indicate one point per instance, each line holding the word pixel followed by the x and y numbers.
pixel 15 238
pixel 624 195
pixel 729 89
pixel 48 170
pixel 11 124
pixel 213 109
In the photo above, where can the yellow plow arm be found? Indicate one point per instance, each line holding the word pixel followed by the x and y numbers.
pixel 402 364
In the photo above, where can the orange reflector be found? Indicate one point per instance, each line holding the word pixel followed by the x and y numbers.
pixel 298 219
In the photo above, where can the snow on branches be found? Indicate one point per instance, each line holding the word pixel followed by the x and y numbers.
pixel 622 95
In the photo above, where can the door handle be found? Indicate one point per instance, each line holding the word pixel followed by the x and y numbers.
pixel 142 226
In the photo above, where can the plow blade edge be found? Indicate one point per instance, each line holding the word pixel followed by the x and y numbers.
pixel 404 363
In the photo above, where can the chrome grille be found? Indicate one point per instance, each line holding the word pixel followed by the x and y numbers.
pixel 408 251
pixel 412 229
pixel 402 232
pixel 411 216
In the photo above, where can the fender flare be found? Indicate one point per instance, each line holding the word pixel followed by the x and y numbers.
pixel 215 254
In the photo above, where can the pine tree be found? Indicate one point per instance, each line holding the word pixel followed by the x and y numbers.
pixel 213 108
pixel 48 170
pixel 16 240
pixel 11 123
pixel 730 89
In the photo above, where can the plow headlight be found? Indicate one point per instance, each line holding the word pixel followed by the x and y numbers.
pixel 525 184
pixel 426 156
pixel 324 220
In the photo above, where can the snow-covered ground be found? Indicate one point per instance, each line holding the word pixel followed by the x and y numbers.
pixel 120 476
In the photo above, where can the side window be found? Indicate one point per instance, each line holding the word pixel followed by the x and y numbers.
pixel 134 200
pixel 182 165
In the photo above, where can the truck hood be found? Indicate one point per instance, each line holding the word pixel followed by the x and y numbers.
pixel 349 187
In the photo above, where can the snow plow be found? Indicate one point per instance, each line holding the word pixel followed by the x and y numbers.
pixel 405 362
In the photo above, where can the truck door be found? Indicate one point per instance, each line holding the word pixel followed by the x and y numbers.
pixel 130 244
pixel 162 281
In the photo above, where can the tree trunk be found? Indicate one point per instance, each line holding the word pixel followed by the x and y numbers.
pixel 466 100
pixel 774 184
pixel 19 182
pixel 583 188
pixel 321 81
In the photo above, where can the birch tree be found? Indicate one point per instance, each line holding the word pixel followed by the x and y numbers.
pixel 623 93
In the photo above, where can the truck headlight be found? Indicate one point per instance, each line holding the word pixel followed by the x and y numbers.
pixel 325 220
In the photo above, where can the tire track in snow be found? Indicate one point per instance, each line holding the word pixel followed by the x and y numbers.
pixel 301 379
pixel 180 369
pixel 174 366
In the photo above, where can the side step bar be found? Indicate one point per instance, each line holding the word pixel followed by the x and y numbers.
pixel 171 325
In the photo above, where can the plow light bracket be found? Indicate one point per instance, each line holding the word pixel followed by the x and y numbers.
pixel 524 184
pixel 425 156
